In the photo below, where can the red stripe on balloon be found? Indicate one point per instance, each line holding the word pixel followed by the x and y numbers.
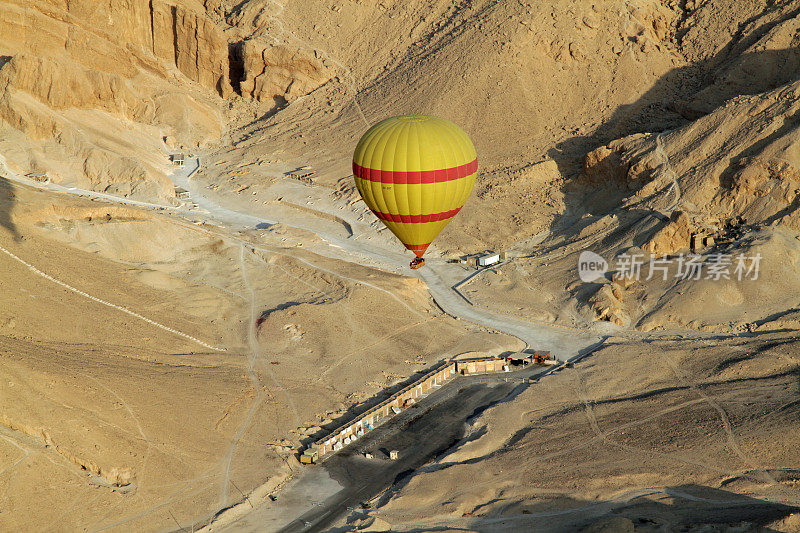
pixel 418 249
pixel 415 176
pixel 416 219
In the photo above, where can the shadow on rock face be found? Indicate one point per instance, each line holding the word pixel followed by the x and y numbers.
pixel 680 508
pixel 681 96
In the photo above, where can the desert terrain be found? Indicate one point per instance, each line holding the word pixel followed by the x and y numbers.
pixel 172 337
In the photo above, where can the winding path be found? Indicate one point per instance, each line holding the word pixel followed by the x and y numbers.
pixel 564 344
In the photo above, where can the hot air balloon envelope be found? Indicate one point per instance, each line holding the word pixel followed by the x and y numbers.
pixel 415 172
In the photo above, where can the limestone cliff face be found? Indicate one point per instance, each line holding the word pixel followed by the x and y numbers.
pixel 121 37
pixel 280 73
pixel 61 85
pixel 193 43
pixel 88 89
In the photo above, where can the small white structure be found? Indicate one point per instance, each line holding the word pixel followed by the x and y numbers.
pixel 393 454
pixel 182 194
pixel 488 259
pixel 177 159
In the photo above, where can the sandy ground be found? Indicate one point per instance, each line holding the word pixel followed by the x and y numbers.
pixel 649 433
pixel 153 428
pixel 162 364
pixel 691 385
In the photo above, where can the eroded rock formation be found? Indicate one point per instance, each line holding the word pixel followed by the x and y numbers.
pixel 280 73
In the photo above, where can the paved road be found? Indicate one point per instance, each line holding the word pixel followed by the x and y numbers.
pixel 309 489
pixel 74 191
pixel 437 426
pixel 563 343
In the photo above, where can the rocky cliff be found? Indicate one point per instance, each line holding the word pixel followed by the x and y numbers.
pixel 279 73
pixel 88 90
pixel 120 37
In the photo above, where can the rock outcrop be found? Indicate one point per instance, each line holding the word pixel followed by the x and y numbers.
pixel 88 89
pixel 194 43
pixel 62 85
pixel 674 236
pixel 121 37
pixel 608 304
pixel 279 73
pixel 738 161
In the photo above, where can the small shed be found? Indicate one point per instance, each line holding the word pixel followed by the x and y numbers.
pixel 541 357
pixel 182 194
pixel 489 259
pixel 178 159
pixel 309 456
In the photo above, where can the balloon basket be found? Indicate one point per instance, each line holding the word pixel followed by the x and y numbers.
pixel 418 262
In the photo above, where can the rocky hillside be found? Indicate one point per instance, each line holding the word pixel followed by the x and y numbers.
pixel 90 91
pixel 530 82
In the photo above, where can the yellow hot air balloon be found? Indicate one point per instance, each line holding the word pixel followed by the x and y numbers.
pixel 415 172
